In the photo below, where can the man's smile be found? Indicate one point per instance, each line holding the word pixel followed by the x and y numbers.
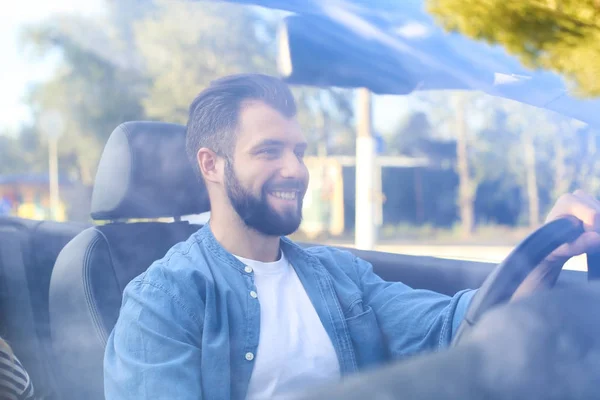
pixel 290 195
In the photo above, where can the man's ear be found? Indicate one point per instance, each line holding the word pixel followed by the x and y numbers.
pixel 210 164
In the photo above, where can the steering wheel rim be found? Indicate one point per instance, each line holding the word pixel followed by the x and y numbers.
pixel 506 278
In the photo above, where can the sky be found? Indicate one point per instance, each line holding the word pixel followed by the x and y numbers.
pixel 16 70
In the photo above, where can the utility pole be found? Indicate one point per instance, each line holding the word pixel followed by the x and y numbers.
pixel 533 197
pixel 466 191
pixel 53 175
pixel 365 228
pixel 51 124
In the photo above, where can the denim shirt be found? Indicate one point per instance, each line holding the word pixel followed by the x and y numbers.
pixel 189 326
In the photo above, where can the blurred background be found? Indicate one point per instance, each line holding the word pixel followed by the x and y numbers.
pixel 455 169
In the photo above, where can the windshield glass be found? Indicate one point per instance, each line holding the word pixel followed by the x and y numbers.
pixel 425 138
pixel 496 118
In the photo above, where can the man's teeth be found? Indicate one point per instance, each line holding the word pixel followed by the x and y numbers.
pixel 285 195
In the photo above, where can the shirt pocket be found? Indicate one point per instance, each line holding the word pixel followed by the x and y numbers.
pixel 366 337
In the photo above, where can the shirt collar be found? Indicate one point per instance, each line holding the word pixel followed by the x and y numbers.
pixel 294 253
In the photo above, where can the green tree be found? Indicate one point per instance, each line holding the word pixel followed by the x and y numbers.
pixel 186 45
pixel 90 88
pixel 147 59
pixel 574 158
pixel 12 157
pixel 487 145
pixel 560 35
pixel 327 117
pixel 408 136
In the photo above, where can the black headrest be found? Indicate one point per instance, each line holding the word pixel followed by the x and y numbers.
pixel 144 173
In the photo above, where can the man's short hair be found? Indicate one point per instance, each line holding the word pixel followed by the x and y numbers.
pixel 214 113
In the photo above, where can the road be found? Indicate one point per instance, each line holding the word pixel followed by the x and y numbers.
pixel 462 252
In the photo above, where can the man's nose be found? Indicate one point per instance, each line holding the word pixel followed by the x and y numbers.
pixel 293 167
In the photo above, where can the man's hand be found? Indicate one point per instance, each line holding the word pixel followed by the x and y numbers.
pixel 586 209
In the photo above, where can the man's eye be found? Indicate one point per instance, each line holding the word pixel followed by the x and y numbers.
pixel 300 154
pixel 269 152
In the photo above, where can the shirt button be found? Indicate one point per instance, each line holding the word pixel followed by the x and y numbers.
pixel 248 269
pixel 249 356
pixel 253 294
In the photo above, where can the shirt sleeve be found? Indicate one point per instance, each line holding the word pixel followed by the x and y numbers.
pixel 154 351
pixel 14 380
pixel 411 320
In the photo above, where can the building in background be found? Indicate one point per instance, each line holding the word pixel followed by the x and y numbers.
pixel 323 207
pixel 28 196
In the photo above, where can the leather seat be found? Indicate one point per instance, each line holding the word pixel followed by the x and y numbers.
pixel 143 174
pixel 28 251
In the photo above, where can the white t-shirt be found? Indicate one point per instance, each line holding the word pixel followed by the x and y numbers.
pixel 294 351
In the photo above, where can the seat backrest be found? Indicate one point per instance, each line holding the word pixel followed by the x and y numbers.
pixel 143 173
pixel 28 250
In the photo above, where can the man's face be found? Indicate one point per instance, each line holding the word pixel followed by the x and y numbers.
pixel 266 179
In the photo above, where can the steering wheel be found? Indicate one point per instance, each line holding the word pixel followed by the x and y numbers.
pixel 506 278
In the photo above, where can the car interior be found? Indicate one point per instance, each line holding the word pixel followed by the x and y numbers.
pixel 62 282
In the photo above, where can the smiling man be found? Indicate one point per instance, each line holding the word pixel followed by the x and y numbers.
pixel 240 312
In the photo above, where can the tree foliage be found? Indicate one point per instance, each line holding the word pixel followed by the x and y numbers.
pixel 147 59
pixel 559 35
pixel 91 91
pixel 186 45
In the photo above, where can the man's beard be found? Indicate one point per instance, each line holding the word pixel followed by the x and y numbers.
pixel 256 211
